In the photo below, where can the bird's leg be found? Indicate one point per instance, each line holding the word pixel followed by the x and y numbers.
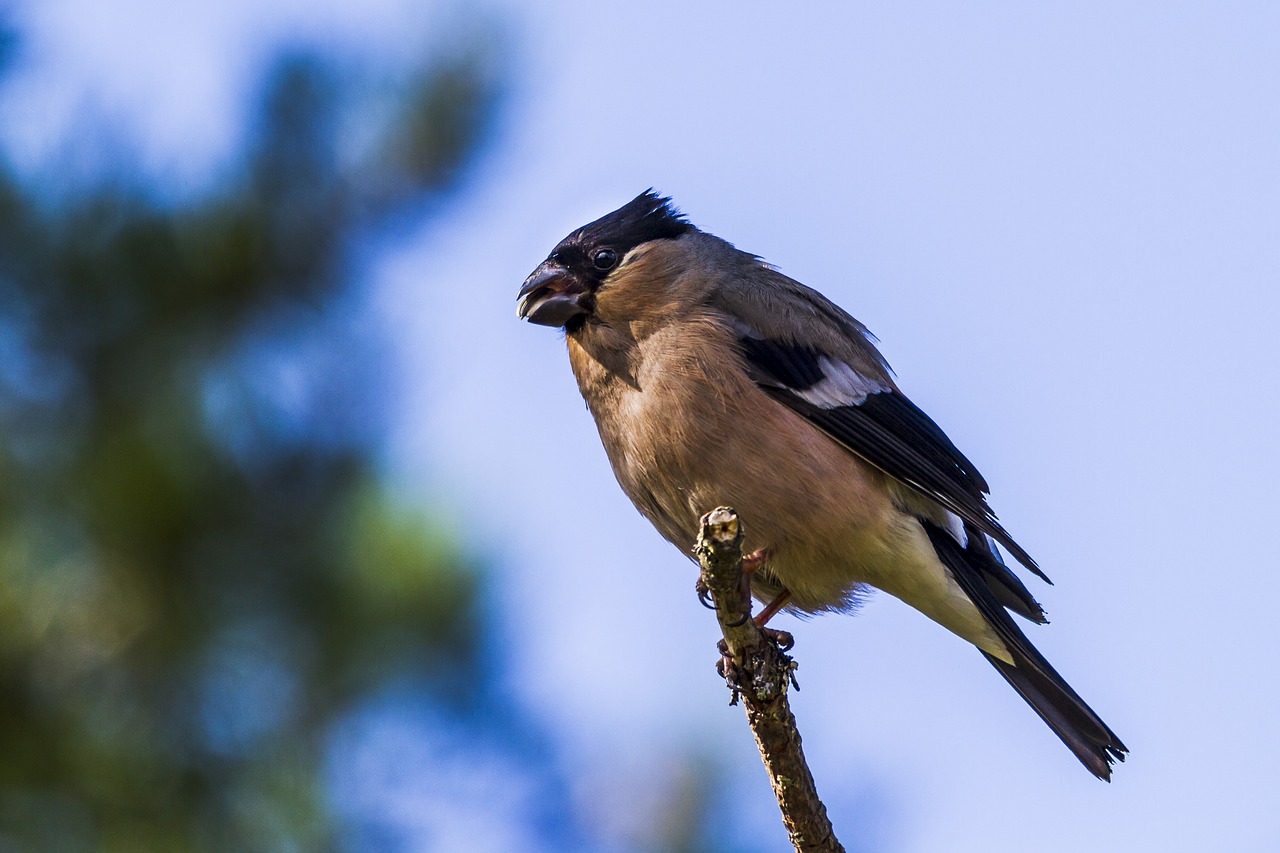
pixel 751 563
pixel 771 609
pixel 783 641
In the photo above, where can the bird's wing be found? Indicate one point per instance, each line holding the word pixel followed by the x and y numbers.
pixel 811 356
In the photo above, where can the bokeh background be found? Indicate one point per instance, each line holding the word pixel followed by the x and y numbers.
pixel 307 544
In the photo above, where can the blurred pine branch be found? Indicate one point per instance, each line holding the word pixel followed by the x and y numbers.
pixel 200 570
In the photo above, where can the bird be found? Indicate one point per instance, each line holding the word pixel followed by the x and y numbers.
pixel 714 379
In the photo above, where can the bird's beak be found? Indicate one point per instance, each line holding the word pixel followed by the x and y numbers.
pixel 551 296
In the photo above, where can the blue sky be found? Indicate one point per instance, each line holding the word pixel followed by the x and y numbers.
pixel 1062 222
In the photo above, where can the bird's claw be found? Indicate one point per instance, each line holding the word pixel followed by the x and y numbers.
pixel 730 672
pixel 751 563
pixel 737 679
pixel 706 599
pixel 782 639
pixel 704 594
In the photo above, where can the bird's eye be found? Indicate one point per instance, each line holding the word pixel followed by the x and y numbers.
pixel 605 259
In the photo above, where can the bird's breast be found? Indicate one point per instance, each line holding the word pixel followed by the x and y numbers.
pixel 690 431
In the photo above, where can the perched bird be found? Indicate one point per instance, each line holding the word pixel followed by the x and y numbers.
pixel 716 380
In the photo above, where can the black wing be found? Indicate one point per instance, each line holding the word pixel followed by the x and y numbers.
pixel 879 424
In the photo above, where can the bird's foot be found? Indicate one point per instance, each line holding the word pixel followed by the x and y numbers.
pixel 782 639
pixel 754 677
pixel 730 672
pixel 751 563
pixel 704 593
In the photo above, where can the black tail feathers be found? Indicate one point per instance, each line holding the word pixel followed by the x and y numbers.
pixel 1071 719
pixel 1065 712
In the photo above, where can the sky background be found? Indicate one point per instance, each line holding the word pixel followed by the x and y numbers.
pixel 1063 223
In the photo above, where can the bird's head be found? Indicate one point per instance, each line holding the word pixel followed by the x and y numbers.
pixel 561 291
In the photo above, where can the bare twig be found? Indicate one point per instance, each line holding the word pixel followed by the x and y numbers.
pixel 759 672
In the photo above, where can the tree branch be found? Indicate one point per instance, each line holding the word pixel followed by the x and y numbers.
pixel 759 671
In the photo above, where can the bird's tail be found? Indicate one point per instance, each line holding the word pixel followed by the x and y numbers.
pixel 1071 719
pixel 1066 713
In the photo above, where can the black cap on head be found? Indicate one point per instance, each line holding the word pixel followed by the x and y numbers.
pixel 646 217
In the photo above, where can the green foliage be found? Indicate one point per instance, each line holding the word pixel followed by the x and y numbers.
pixel 199 569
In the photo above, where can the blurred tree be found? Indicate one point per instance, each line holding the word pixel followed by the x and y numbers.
pixel 200 571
